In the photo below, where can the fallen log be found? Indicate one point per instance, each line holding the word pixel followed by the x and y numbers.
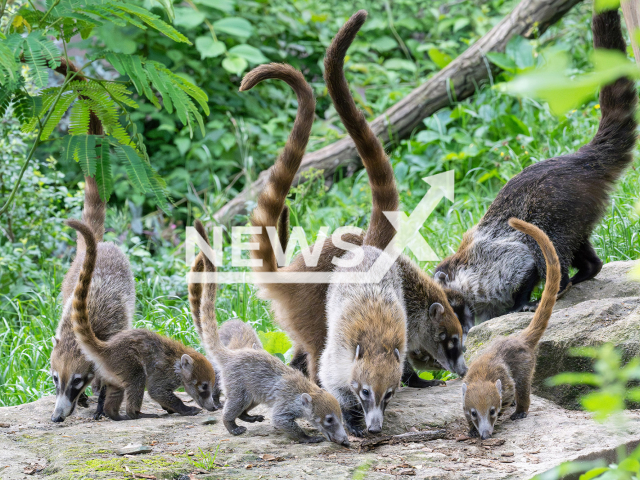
pixel 457 80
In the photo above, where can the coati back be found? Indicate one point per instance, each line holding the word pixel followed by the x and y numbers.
pixel 504 372
pixel 363 358
pixel 110 304
pixel 495 268
pixel 134 359
pixel 251 376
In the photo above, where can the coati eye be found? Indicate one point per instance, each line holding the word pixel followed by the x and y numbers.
pixel 77 382
pixel 55 378
pixel 443 336
pixel 365 392
pixel 474 414
pixel 329 420
pixel 492 411
pixel 204 387
pixel 388 395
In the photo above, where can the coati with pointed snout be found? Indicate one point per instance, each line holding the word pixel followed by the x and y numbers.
pixel 110 305
pixel 504 371
pixel 134 359
pixel 300 308
pixel 497 270
pixel 252 376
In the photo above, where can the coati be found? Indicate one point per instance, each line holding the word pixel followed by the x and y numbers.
pixel 252 376
pixel 361 364
pixel 504 372
pixel 110 304
pixel 133 359
pixel 300 308
pixel 496 269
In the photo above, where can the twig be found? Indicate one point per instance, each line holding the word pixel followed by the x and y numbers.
pixel 409 437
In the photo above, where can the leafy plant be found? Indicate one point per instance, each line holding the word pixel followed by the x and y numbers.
pixel 206 460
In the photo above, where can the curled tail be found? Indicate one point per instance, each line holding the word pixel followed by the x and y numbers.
pixel 272 199
pixel 208 330
pixel 384 192
pixel 89 343
pixel 538 325
pixel 616 136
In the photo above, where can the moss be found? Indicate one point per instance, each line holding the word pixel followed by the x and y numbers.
pixel 143 464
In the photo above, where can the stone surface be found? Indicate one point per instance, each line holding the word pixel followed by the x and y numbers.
pixel 81 448
pixel 604 309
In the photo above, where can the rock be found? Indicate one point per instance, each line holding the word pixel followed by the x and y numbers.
pixel 132 449
pixel 590 314
pixel 547 437
pixel 209 421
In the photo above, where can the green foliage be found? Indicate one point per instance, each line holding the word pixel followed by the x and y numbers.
pixel 276 343
pixel 206 460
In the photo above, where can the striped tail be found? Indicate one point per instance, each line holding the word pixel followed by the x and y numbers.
pixel 195 292
pixel 533 333
pixel 384 193
pixel 272 199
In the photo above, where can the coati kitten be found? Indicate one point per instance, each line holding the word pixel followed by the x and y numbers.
pixel 134 359
pixel 110 305
pixel 496 269
pixel 504 372
pixel 252 376
pixel 300 308
pixel 362 361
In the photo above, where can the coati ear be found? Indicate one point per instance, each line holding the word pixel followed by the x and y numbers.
pixel 359 353
pixel 186 362
pixel 254 346
pixel 54 340
pixel 499 386
pixel 441 277
pixel 306 399
pixel 397 353
pixel 90 377
pixel 464 390
pixel 436 309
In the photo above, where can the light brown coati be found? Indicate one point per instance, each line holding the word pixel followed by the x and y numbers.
pixel 134 359
pixel 504 372
pixel 252 376
pixel 110 304
pixel 495 268
pixel 300 308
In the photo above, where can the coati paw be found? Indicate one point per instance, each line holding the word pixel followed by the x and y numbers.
pixel 239 430
pixel 473 433
pixel 98 415
pixel 356 431
pixel 417 382
pixel 83 400
pixel 518 415
pixel 312 440
pixel 530 307
pixel 168 410
pixel 190 411
pixel 254 418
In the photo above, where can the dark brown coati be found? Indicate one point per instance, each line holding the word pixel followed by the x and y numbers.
pixel 110 304
pixel 134 359
pixel 495 268
pixel 504 372
pixel 252 376
pixel 300 308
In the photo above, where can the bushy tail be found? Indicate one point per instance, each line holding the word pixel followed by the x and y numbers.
pixel 195 292
pixel 538 325
pixel 272 198
pixel 283 228
pixel 384 192
pixel 89 343
pixel 208 329
pixel 616 136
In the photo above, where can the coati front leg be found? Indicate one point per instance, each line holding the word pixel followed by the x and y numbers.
pixel 522 297
pixel 411 378
pixel 245 417
pixel 354 421
pixel 113 401
pixel 587 262
pixel 283 419
pixel 235 405
pixel 83 400
pixel 523 399
pixel 163 394
pixel 135 396
pixel 101 398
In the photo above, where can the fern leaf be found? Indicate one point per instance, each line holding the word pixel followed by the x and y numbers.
pixel 190 89
pixel 27 108
pixel 120 93
pixel 8 64
pixel 59 109
pixel 138 76
pixel 158 81
pixel 134 166
pixel 7 94
pixel 101 12
pixel 84 152
pixel 104 178
pixel 158 187
pixel 152 20
pixel 68 147
pixel 40 53
pixel 79 118
pixel 107 112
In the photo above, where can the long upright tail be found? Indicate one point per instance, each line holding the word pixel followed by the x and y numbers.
pixel 207 316
pixel 195 291
pixel 89 343
pixel 384 192
pixel 538 325
pixel 616 136
pixel 272 199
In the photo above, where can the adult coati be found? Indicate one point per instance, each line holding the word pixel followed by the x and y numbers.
pixel 496 269
pixel 110 304
pixel 134 359
pixel 252 376
pixel 434 330
pixel 504 372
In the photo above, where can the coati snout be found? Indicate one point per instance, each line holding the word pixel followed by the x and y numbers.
pixel 449 352
pixel 482 403
pixel 71 376
pixel 323 412
pixel 198 379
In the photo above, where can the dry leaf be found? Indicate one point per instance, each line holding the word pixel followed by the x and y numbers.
pixel 267 457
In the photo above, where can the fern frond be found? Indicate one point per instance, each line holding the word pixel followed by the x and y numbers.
pixel 190 89
pixel 7 93
pixel 134 166
pixel 84 152
pixel 159 188
pixel 59 109
pixel 133 68
pixel 27 108
pixel 79 118
pixel 152 20
pixel 104 178
pixel 8 64
pixel 107 112
pixel 158 81
pixel 40 53
pixel 105 13
pixel 120 93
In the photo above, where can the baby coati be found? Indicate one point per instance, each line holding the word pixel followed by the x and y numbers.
pixel 362 361
pixel 251 376
pixel 504 372
pixel 134 359
pixel 497 269
pixel 434 329
pixel 110 306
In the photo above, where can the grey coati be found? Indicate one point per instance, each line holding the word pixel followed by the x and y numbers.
pixel 110 304
pixel 252 376
pixel 134 359
pixel 300 308
pixel 361 364
pixel 496 269
pixel 504 371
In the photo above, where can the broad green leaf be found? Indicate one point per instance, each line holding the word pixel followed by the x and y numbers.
pixel 399 64
pixel 426 375
pixel 209 48
pixel 384 44
pixel 629 465
pixel 234 64
pixel 601 5
pixel 460 23
pixel 226 6
pixel 603 403
pixel 188 18
pixel 521 52
pixel 502 61
pixel 275 342
pixel 440 59
pixel 596 472
pixel 234 26
pixel 249 53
